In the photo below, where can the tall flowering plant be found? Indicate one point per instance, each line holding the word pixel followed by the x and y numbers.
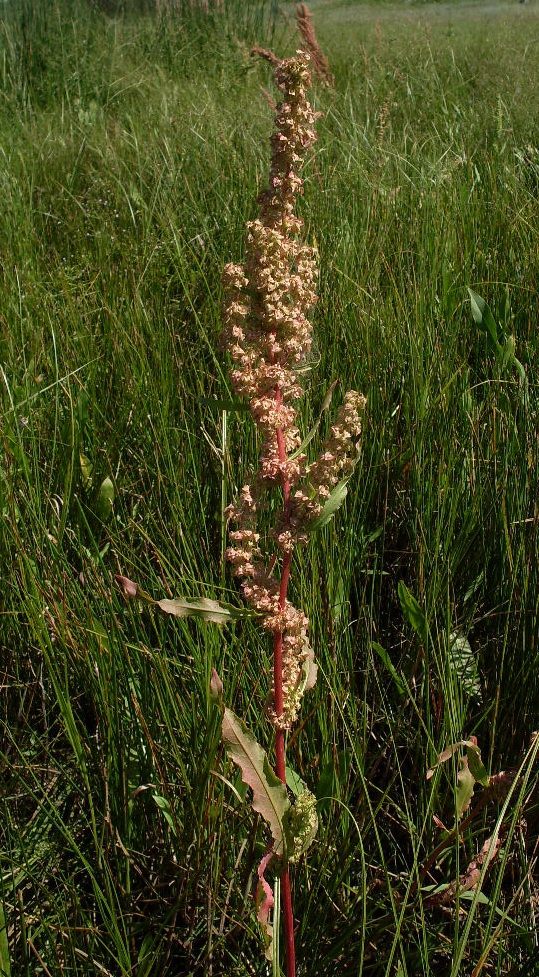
pixel 269 337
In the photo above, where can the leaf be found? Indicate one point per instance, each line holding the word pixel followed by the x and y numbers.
pixel 5 965
pixel 399 684
pixel 332 504
pixel 442 757
pixel 463 662
pixel 264 902
pixel 294 782
pixel 164 807
pixel 129 587
pixel 269 793
pixel 412 611
pixel 307 440
pixel 86 469
pixel 206 609
pixel 476 765
pixel 485 320
pixel 465 786
pixel 105 499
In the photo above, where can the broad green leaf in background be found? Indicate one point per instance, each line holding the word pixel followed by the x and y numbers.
pixel 412 611
pixel 485 320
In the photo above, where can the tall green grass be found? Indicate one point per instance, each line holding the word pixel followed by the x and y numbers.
pixel 132 151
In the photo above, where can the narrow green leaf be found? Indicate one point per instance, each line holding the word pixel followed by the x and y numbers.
pixel 332 504
pixel 412 611
pixel 164 807
pixel 399 684
pixel 485 320
pixel 269 794
pixel 86 469
pixel 5 964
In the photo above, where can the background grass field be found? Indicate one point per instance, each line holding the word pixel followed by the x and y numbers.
pixel 132 148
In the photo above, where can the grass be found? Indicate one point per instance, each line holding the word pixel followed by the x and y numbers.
pixel 132 151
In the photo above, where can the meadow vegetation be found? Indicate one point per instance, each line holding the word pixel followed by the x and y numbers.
pixel 132 148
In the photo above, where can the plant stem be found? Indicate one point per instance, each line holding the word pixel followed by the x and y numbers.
pixel 280 750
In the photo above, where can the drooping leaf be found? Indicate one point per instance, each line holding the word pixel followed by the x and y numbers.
pixel 412 611
pixel 129 587
pixel 270 799
pixel 465 786
pixel 206 609
pixel 485 320
pixel 442 757
pixel 476 765
pixel 264 902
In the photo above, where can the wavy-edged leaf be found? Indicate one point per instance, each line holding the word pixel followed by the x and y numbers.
pixel 264 902
pixel 473 750
pixel 269 794
pixel 205 609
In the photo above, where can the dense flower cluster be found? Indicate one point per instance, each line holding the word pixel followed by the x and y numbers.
pixel 267 302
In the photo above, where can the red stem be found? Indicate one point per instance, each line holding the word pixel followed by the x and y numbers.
pixel 280 749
